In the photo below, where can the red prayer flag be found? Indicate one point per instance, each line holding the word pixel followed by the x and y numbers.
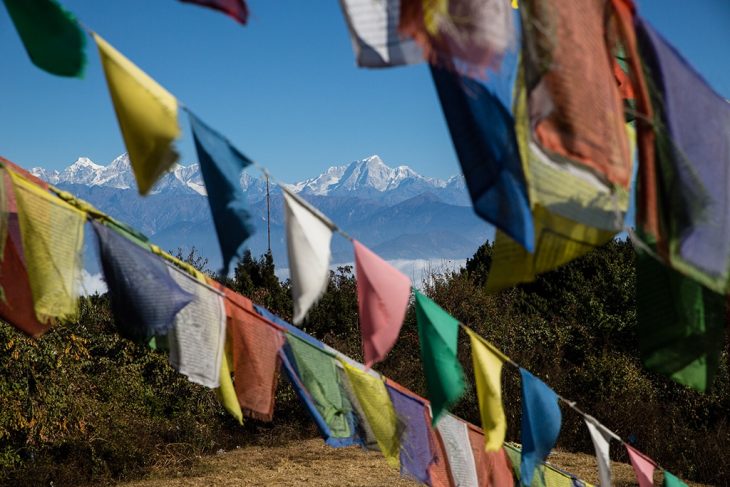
pixel 382 294
pixel 643 467
pixel 236 9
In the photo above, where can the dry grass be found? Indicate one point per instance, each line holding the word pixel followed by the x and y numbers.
pixel 311 462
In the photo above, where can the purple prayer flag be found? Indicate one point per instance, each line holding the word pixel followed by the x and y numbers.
pixel 415 449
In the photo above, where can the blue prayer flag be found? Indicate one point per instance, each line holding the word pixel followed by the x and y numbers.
pixel 540 424
pixel 221 165
pixel 416 454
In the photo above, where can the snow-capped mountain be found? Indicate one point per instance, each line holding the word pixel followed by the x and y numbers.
pixel 367 178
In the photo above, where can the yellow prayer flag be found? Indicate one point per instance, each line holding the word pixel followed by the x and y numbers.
pixel 52 232
pixel 225 392
pixel 488 377
pixel 147 115
pixel 378 409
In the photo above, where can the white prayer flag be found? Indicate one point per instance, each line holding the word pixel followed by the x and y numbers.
pixel 308 237
pixel 601 437
pixel 455 436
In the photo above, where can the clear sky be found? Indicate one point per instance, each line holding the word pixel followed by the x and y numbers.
pixel 284 88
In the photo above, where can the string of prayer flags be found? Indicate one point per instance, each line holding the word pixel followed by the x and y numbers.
pixel 317 370
pixel 147 116
pixel 672 481
pixel 235 9
pixel 474 32
pixel 693 150
pixel 144 297
pixel 52 233
pixel 681 323
pixel 457 446
pixel 576 110
pixel 438 335
pixel 601 438
pixel 308 237
pixel 255 348
pixel 51 36
pixel 221 164
pixel 383 294
pixel 416 453
pixel 482 130
pixel 374 33
pixel 643 467
pixel 541 420
pixel 198 335
pixel 488 363
pixel 378 409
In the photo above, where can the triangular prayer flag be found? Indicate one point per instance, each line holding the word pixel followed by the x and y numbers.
pixel 147 115
pixel 488 377
pixel 51 35
pixel 672 481
pixel 221 165
pixel 144 297
pixel 235 9
pixel 643 467
pixel 541 419
pixel 379 412
pixel 438 334
pixel 601 438
pixel 52 233
pixel 383 293
pixel 308 237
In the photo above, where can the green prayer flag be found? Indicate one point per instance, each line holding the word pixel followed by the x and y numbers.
pixel 51 35
pixel 438 333
pixel 672 481
pixel 681 324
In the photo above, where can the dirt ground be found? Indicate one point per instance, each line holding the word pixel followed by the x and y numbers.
pixel 311 462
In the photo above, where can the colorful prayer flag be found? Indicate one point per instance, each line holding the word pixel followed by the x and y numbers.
pixel 438 335
pixel 383 294
pixel 51 36
pixel 455 436
pixel 672 481
pixel 488 377
pixel 144 297
pixel 235 9
pixel 221 164
pixel 643 467
pixel 378 409
pixel 540 424
pixel 226 392
pixel 52 233
pixel 308 237
pixel 601 438
pixel 147 115
pixel 374 34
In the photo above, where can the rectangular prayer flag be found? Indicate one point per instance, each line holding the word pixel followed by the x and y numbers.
pixel 457 446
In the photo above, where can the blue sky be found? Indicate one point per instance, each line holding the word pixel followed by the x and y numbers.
pixel 284 88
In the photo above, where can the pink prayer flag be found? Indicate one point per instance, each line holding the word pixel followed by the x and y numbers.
pixel 643 467
pixel 383 294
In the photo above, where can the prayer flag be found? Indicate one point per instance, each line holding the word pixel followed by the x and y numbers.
pixel 221 165
pixel 438 334
pixel 255 348
pixel 374 33
pixel 455 436
pixel 643 467
pixel 147 115
pixel 498 468
pixel 672 481
pixel 51 36
pixel 308 237
pixel 574 103
pixel 235 9
pixel 601 438
pixel 378 409
pixel 540 424
pixel 681 323
pixel 226 392
pixel 197 338
pixel 416 453
pixel 482 130
pixel 144 297
pixel 383 294
pixel 52 233
pixel 693 151
pixel 488 377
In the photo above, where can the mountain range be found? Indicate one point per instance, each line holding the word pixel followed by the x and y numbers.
pixel 398 213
